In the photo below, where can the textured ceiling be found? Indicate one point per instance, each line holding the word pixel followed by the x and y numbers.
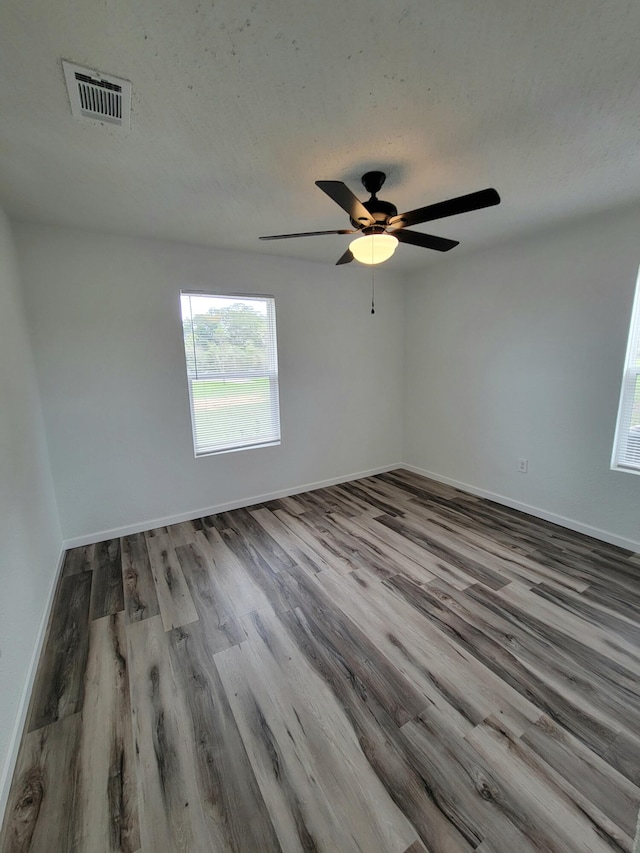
pixel 239 106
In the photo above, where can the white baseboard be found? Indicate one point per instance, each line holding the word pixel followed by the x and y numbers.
pixel 6 775
pixel 149 524
pixel 561 520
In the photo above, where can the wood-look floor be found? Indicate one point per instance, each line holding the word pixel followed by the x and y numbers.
pixel 386 665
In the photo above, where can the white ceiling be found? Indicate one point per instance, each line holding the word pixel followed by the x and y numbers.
pixel 238 107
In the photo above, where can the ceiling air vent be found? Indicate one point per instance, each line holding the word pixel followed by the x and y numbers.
pixel 96 96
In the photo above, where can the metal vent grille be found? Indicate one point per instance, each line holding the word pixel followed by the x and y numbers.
pixel 96 96
pixel 99 98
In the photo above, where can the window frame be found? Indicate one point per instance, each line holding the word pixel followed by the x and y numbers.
pixel 630 378
pixel 272 373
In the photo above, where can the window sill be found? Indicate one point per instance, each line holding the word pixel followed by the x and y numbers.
pixel 223 450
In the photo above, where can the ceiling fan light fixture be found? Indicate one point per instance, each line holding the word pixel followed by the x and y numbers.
pixel 370 219
pixel 373 248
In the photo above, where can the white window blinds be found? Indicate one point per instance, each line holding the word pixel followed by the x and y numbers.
pixel 232 367
pixel 626 449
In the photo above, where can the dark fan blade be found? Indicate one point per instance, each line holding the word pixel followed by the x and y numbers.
pixel 305 234
pixel 342 195
pixel 346 258
pixel 462 204
pixel 427 241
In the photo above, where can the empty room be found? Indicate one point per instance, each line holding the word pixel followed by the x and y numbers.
pixel 319 426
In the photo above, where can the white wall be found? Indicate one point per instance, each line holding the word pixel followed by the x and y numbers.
pixel 105 323
pixel 30 537
pixel 517 351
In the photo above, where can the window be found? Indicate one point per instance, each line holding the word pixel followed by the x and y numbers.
pixel 626 448
pixel 232 367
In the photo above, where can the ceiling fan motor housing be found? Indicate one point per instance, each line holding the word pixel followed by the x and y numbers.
pixel 380 210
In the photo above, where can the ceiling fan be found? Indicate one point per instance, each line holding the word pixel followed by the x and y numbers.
pixel 381 227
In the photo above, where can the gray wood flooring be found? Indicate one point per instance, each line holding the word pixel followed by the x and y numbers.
pixel 387 665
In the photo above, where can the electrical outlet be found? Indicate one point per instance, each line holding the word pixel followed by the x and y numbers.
pixel 523 465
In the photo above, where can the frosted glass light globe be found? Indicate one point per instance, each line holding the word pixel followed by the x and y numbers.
pixel 373 248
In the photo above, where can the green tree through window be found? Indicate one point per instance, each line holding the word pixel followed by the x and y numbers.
pixel 226 339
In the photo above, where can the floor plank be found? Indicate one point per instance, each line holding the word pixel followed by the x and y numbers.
pixel 587 773
pixel 59 685
pixel 379 735
pixel 286 715
pixel 242 590
pixel 174 598
pixel 470 794
pixel 140 597
pixel 299 548
pixel 211 602
pixel 78 560
pixel 171 812
pixel 265 576
pixel 533 792
pixel 233 806
pixel 107 797
pixel 41 813
pixel 107 593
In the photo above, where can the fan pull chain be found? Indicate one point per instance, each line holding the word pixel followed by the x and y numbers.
pixel 373 291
